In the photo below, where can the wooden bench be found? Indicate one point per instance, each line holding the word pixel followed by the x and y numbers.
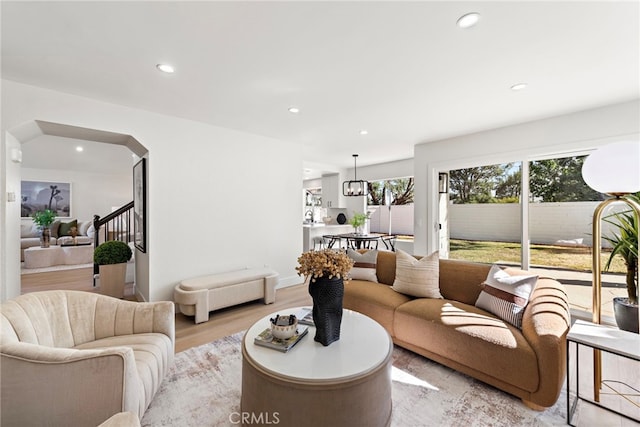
pixel 200 295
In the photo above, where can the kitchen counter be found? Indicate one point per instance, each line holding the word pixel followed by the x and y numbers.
pixel 311 231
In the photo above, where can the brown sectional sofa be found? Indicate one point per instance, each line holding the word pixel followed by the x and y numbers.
pixel 528 363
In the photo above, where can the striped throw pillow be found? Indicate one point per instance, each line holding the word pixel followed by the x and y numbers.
pixel 417 277
pixel 364 265
pixel 506 296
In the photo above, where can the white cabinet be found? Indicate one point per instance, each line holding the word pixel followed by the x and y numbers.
pixel 331 191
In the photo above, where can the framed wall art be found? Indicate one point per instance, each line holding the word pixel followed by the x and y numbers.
pixel 139 205
pixel 40 195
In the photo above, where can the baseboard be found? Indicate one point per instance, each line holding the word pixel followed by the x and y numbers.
pixel 140 297
pixel 290 281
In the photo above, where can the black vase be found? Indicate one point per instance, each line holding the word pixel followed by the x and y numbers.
pixel 327 308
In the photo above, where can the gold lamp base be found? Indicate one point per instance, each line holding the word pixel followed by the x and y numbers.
pixel 597 280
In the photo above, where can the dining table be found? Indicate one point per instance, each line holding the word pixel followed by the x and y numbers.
pixel 355 240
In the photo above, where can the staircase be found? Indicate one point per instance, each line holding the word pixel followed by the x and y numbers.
pixel 118 225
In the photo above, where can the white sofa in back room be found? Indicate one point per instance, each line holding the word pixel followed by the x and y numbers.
pixel 30 234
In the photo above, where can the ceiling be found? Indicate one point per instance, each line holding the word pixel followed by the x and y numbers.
pixel 401 70
pixel 55 152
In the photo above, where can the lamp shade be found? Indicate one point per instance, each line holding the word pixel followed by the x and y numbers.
pixel 614 168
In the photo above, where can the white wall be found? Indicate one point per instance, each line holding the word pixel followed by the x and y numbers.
pixel 9 221
pixel 218 199
pixel 396 169
pixel 91 193
pixel 562 134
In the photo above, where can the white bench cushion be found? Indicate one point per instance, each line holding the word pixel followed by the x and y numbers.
pixel 200 295
pixel 220 280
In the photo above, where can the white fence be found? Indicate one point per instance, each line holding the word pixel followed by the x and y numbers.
pixel 401 219
pixel 549 223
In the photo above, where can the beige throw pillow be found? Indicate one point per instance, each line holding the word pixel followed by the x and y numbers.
pixel 506 296
pixel 364 265
pixel 418 278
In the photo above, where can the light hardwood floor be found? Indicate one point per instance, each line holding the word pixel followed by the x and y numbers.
pixel 78 279
pixel 230 320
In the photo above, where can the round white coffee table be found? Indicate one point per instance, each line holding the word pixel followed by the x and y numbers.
pixel 347 383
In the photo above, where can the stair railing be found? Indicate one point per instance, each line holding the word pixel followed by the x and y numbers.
pixel 118 225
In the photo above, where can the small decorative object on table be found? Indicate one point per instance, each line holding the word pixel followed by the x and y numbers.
pixel 327 269
pixel 43 220
pixel 358 220
pixel 283 327
pixel 74 234
pixel 281 336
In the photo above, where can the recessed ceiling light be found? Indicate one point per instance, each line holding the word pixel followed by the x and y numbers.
pixel 364 132
pixel 79 149
pixel 519 86
pixel 468 20
pixel 165 68
pixel 294 110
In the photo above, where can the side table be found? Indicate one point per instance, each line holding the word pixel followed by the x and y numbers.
pixel 599 338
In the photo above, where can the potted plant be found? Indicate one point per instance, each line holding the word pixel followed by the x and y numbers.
pixel 625 244
pixel 112 257
pixel 358 220
pixel 326 270
pixel 43 220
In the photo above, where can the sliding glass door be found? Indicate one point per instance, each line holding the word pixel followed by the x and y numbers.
pixel 534 214
pixel 483 214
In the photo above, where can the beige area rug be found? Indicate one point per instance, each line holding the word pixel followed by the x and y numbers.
pixel 203 389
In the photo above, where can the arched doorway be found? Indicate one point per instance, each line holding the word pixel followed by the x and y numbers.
pixel 10 242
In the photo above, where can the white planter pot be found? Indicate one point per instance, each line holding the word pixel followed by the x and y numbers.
pixel 112 279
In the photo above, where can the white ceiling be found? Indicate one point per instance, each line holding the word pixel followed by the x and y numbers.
pixel 402 70
pixel 54 152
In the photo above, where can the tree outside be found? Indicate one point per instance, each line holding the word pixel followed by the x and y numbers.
pixel 484 184
pixel 400 189
pixel 551 180
pixel 560 180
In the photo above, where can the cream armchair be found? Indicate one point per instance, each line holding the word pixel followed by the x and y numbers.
pixel 77 358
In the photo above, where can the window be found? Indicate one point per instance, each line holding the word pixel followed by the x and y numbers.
pixel 485 215
pixel 391 206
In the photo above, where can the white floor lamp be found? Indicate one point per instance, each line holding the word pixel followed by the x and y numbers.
pixel 614 170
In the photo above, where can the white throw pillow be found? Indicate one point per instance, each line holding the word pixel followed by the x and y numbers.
pixel 28 230
pixel 83 226
pixel 418 278
pixel 364 265
pixel 506 296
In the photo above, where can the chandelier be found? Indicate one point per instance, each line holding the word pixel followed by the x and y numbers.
pixel 355 187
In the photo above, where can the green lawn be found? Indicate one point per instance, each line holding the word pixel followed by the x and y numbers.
pixel 573 258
